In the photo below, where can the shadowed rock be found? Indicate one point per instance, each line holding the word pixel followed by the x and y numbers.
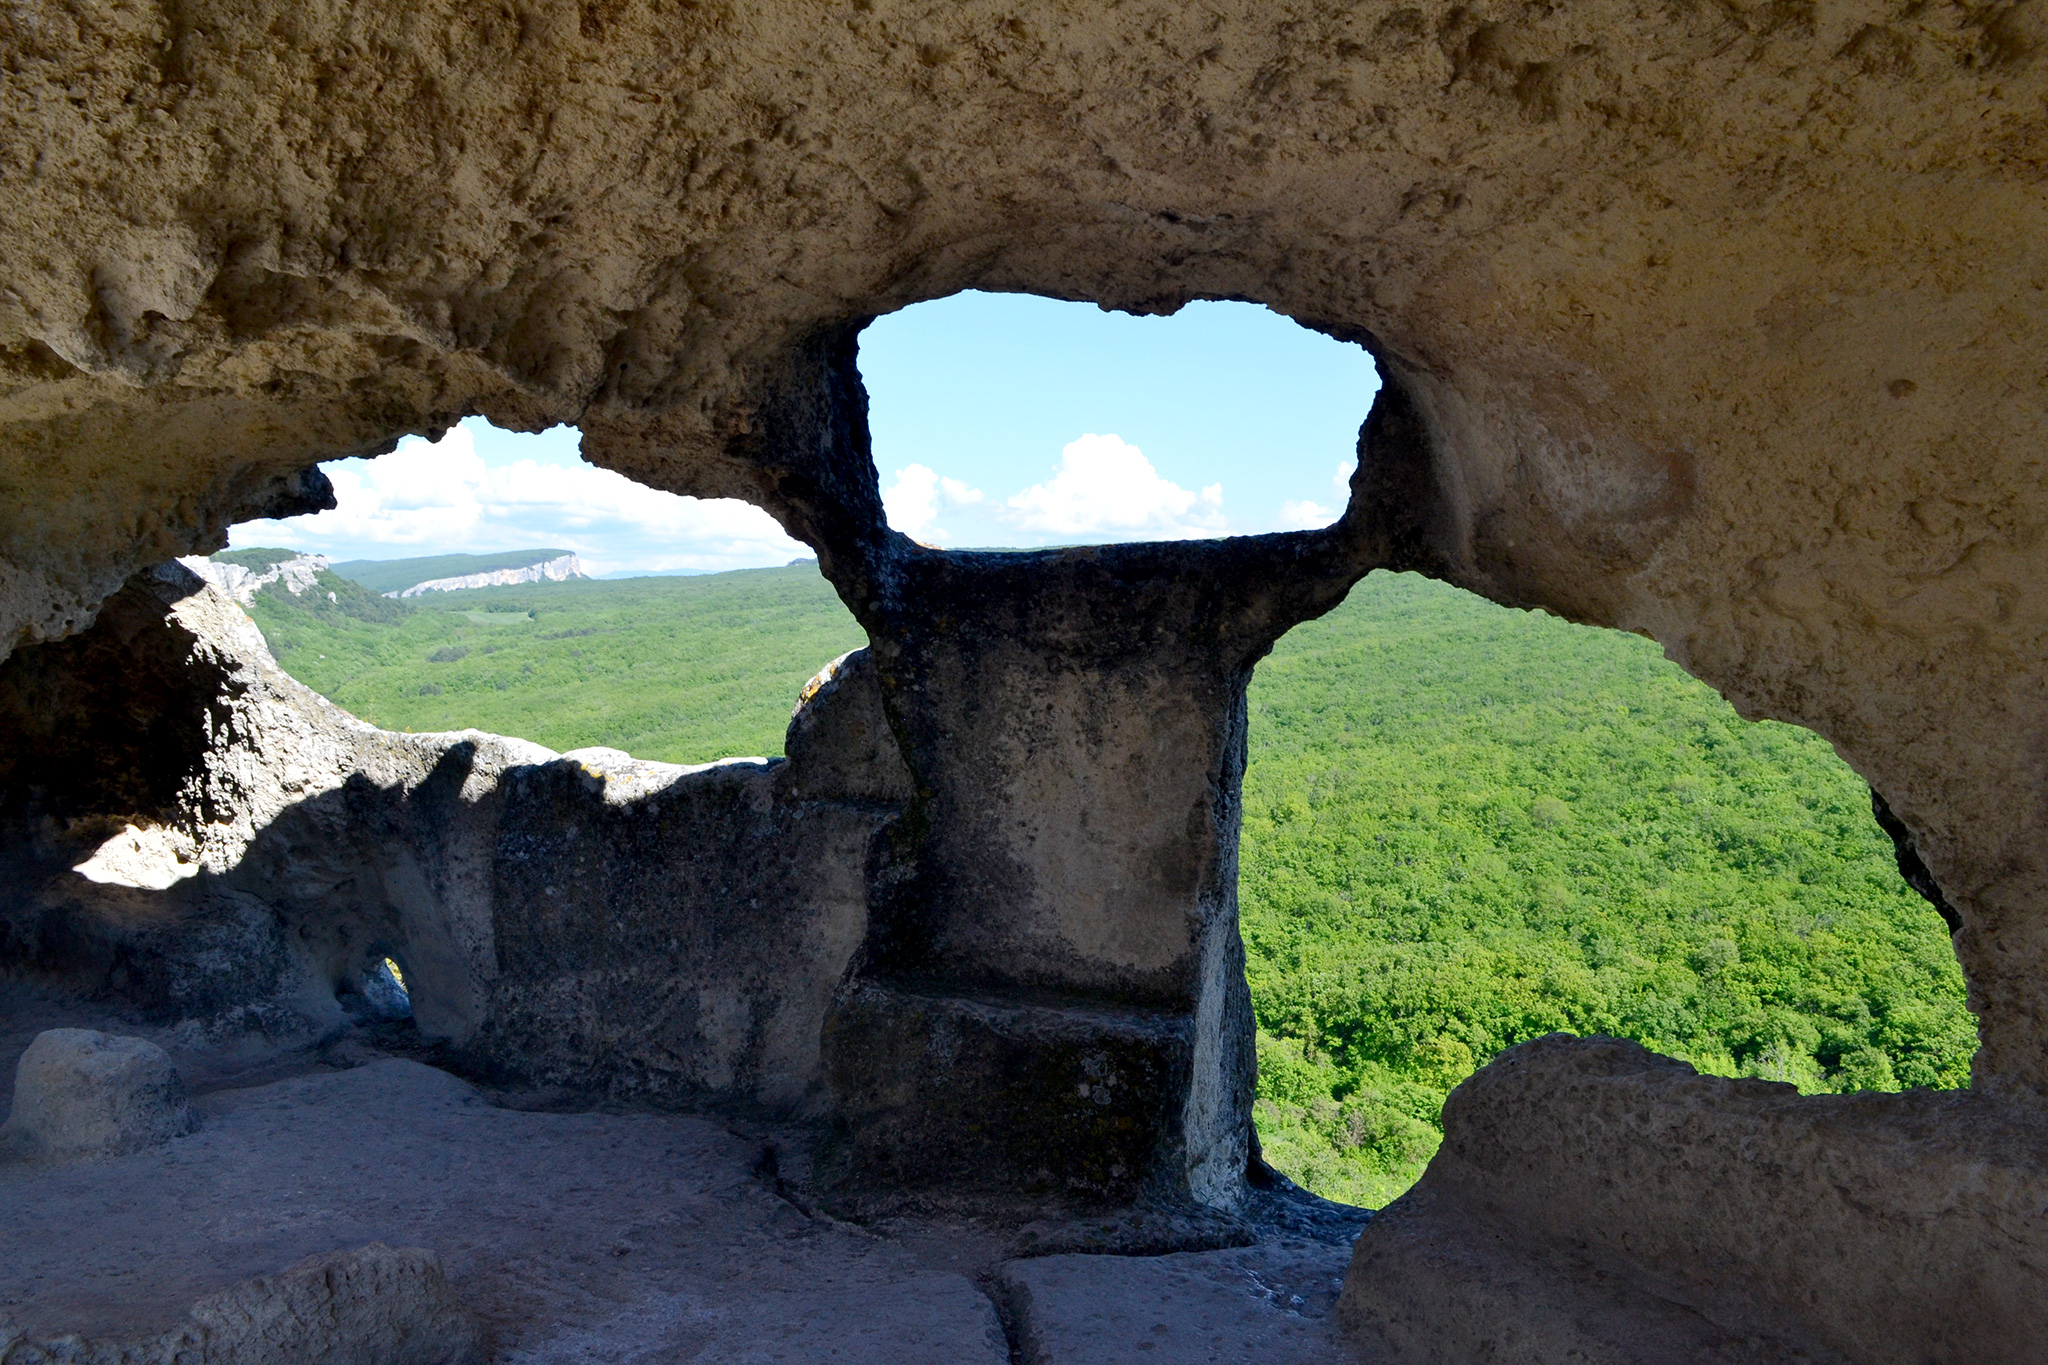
pixel 1595 1201
pixel 377 1305
pixel 81 1094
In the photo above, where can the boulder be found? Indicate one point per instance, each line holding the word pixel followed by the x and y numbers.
pixel 80 1094
pixel 375 1305
pixel 1593 1201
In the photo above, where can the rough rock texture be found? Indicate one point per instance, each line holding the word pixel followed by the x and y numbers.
pixel 297 574
pixel 80 1094
pixel 1052 990
pixel 1270 1304
pixel 564 1237
pixel 1723 322
pixel 197 835
pixel 371 1306
pixel 1053 1100
pixel 1594 1201
pixel 1051 1000
pixel 1720 323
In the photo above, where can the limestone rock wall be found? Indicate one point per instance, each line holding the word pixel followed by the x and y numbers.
pixel 193 833
pixel 1723 322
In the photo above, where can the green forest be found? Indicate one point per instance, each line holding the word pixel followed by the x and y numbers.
pixel 1464 827
pixel 1467 826
pixel 676 669
pixel 395 575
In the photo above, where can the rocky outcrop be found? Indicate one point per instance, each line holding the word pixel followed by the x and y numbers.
pixel 295 575
pixel 560 569
pixel 242 855
pixel 1593 1201
pixel 81 1094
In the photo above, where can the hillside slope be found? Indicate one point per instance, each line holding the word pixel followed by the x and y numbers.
pixel 395 575
pixel 678 669
pixel 1467 826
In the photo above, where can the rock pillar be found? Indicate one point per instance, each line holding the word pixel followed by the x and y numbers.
pixel 1052 995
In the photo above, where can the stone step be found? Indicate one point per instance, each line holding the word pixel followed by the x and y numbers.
pixel 987 1093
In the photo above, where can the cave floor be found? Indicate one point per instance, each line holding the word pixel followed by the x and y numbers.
pixel 602 1237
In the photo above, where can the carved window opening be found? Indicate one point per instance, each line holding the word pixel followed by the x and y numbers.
pixel 1013 421
pixel 1773 974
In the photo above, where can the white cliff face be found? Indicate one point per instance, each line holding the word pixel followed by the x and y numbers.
pixel 243 584
pixel 557 570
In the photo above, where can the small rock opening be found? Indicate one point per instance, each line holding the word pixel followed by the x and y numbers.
pixel 377 994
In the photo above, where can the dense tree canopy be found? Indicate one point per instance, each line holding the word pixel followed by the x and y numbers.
pixel 1466 827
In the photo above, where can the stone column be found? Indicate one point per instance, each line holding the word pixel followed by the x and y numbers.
pixel 1050 999
pixel 1052 996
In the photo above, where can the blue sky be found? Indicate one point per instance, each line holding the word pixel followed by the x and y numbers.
pixel 998 419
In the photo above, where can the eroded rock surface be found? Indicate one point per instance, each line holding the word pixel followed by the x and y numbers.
pixel 1051 994
pixel 562 1237
pixel 196 835
pixel 1594 1201
pixel 81 1094
pixel 1270 1304
pixel 372 1306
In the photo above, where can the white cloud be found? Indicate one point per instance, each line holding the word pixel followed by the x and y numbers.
pixel 1304 515
pixel 914 500
pixel 442 498
pixel 1105 486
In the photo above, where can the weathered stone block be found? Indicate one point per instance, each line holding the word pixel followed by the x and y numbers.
pixel 1639 1202
pixel 81 1094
